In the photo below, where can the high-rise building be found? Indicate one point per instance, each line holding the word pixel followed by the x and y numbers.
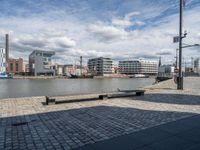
pixel 7 46
pixel 2 60
pixel 40 63
pixel 15 66
pixel 138 67
pixel 100 66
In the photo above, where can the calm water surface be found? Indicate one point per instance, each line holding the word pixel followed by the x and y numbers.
pixel 52 87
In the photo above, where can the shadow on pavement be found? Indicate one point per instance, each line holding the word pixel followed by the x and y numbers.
pixel 77 127
pixel 170 98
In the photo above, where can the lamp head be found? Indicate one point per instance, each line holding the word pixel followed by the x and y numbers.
pixel 185 33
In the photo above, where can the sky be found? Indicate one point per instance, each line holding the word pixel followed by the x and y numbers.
pixel 120 29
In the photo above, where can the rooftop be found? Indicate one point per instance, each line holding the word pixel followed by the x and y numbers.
pixel 43 51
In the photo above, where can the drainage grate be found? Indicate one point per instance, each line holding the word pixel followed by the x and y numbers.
pixel 20 124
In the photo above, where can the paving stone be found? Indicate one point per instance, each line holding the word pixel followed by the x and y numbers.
pixel 73 125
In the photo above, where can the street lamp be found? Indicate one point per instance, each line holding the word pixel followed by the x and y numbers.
pixel 194 45
pixel 179 39
pixel 180 76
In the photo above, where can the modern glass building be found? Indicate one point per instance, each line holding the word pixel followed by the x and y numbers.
pixel 138 67
pixel 100 66
pixel 40 63
pixel 2 60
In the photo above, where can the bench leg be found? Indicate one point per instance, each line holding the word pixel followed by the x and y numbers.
pixel 102 97
pixel 139 93
pixel 47 100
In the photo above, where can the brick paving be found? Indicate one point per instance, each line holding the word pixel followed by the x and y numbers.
pixel 25 123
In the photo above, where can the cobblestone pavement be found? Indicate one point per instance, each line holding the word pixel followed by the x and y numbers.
pixel 25 123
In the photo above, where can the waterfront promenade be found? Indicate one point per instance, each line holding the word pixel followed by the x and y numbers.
pixel 25 123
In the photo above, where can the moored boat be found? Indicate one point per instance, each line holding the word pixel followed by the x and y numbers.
pixel 4 75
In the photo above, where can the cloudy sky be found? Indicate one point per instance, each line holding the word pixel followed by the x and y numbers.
pixel 121 29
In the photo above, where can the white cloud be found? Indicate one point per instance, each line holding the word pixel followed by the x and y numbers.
pixel 107 33
pixel 127 21
pixel 71 38
pixel 121 22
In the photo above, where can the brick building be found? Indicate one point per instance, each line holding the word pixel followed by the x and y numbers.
pixel 15 66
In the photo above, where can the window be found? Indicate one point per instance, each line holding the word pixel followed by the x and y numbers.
pixel 17 67
pixel 11 66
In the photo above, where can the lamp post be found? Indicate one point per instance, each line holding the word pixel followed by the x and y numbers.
pixel 180 76
pixel 179 39
pixel 176 63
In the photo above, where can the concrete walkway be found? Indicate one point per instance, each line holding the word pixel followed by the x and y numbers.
pixel 183 134
pixel 27 124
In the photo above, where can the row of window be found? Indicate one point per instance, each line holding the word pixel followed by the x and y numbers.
pixel 3 64
pixel 16 67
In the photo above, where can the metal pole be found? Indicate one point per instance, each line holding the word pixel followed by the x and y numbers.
pixel 192 63
pixel 180 78
pixel 81 62
pixel 176 58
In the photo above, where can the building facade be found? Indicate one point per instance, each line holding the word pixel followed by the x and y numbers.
pixel 59 69
pixel 166 71
pixel 77 70
pixel 40 63
pixel 197 65
pixel 129 67
pixel 15 66
pixel 138 67
pixel 100 66
pixel 2 60
pixel 149 67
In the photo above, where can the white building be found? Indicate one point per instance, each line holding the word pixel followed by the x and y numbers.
pixel 166 71
pixel 138 67
pixel 71 69
pixel 2 60
pixel 40 62
pixel 100 66
pixel 59 69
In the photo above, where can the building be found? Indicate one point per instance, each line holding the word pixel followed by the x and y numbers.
pixel 26 67
pixel 59 69
pixel 149 67
pixel 129 67
pixel 166 71
pixel 138 67
pixel 70 69
pixel 80 70
pixel 40 63
pixel 15 66
pixel 2 60
pixel 197 65
pixel 100 66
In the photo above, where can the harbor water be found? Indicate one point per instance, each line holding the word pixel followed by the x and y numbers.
pixel 13 88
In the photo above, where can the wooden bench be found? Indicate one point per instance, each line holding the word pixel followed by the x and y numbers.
pixel 91 97
pixel 138 92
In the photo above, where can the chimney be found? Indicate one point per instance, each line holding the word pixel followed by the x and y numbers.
pixel 7 47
